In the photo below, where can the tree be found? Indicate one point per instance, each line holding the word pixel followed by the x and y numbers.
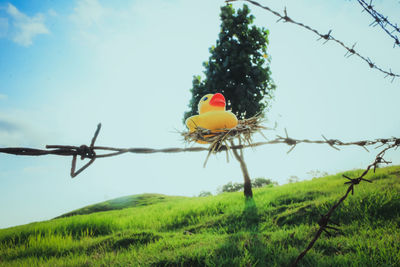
pixel 293 179
pixel 257 182
pixel 238 68
pixel 232 187
pixel 205 194
pixel 261 182
pixel 317 173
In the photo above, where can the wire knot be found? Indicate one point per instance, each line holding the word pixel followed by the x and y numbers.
pixel 85 152
pixel 323 221
pixel 355 181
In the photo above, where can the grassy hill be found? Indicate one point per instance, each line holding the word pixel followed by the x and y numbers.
pixel 224 230
pixel 121 203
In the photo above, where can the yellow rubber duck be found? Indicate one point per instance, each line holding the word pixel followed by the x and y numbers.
pixel 212 115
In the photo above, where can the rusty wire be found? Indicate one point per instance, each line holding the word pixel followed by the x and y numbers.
pixel 327 37
pixel 91 152
pixel 382 21
pixel 325 223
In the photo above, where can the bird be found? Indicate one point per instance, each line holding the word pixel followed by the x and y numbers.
pixel 212 115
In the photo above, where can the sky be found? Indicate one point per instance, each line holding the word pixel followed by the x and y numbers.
pixel 65 66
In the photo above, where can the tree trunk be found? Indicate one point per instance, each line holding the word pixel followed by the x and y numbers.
pixel 248 193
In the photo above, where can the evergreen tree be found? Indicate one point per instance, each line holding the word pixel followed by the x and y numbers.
pixel 238 66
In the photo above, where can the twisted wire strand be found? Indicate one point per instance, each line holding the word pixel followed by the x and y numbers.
pixel 325 223
pixel 382 21
pixel 92 152
pixel 327 37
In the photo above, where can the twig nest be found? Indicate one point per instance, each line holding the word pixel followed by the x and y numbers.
pixel 216 138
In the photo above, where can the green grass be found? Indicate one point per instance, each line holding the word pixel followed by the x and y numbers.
pixel 121 203
pixel 223 230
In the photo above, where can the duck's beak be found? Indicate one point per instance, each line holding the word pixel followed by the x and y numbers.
pixel 218 100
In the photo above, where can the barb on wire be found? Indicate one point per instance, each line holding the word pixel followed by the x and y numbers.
pixel 85 151
pixel 382 21
pixel 90 152
pixel 326 218
pixel 328 37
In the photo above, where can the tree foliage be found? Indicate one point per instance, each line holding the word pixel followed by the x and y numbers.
pixel 256 183
pixel 232 187
pixel 205 194
pixel 261 182
pixel 293 179
pixel 238 66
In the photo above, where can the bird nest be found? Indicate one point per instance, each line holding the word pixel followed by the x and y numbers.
pixel 222 139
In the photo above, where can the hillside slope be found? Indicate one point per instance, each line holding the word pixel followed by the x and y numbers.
pixel 121 203
pixel 225 230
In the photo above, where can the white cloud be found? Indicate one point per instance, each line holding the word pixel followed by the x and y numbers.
pixel 88 18
pixel 11 132
pixel 3 27
pixel 88 13
pixel 3 96
pixel 26 28
pixel 17 129
pixel 52 12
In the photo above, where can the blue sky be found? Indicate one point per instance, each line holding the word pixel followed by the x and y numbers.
pixel 67 65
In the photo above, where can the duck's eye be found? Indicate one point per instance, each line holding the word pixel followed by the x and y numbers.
pixel 205 98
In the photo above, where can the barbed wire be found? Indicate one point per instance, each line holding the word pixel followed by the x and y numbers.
pixel 327 37
pixel 325 223
pixel 382 21
pixel 91 152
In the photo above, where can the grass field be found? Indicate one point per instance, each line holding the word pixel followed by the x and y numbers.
pixel 223 230
pixel 121 203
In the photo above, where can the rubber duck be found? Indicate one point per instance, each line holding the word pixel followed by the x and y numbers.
pixel 212 115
